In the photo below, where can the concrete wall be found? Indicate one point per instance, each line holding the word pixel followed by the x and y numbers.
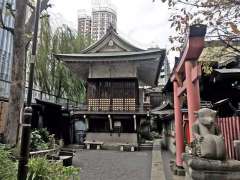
pixel 3 115
pixel 141 96
pixel 130 138
pixel 113 70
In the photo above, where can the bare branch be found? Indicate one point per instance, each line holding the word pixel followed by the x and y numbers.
pixel 228 44
pixel 3 26
pixel 30 5
pixel 10 8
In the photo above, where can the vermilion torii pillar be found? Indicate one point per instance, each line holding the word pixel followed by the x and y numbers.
pixel 185 78
pixel 178 125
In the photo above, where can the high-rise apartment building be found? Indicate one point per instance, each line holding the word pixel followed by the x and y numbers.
pixel 96 25
pixel 6 48
pixel 84 23
pixel 102 18
pixel 164 73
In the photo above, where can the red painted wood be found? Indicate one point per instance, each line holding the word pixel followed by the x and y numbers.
pixel 234 135
pixel 228 137
pixel 238 131
pixel 230 128
pixel 182 89
pixel 231 135
pixel 192 51
pixel 225 135
pixel 178 126
pixel 193 96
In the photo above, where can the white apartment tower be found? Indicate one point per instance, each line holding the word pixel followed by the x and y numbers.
pixel 84 23
pixel 103 16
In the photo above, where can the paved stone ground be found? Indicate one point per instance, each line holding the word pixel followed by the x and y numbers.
pixel 167 157
pixel 114 165
pixel 157 172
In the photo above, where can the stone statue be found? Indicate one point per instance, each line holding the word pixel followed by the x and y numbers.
pixel 208 142
pixel 207 157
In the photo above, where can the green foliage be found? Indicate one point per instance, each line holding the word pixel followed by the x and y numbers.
pixel 42 169
pixel 39 139
pixel 51 75
pixel 8 168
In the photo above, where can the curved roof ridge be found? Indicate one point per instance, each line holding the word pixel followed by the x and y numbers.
pixel 110 31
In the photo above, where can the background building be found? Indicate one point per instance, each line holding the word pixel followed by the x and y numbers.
pixel 84 23
pixel 6 48
pixel 164 74
pixel 103 15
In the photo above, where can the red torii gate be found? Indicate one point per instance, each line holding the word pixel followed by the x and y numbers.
pixel 185 78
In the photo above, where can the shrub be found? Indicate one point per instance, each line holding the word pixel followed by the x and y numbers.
pixel 8 168
pixel 39 139
pixel 41 169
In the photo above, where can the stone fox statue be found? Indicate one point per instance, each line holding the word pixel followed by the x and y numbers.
pixel 208 143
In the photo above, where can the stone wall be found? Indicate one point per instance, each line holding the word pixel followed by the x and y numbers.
pixel 3 115
pixel 130 138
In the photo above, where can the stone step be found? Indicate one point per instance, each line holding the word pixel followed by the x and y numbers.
pixel 74 146
pixel 146 147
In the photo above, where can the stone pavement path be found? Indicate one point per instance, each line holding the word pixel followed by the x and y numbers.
pixel 114 165
pixel 167 157
pixel 157 172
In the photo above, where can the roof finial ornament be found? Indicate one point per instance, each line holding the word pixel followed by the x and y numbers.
pixel 111 28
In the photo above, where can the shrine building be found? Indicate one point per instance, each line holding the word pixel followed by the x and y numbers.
pixel 116 73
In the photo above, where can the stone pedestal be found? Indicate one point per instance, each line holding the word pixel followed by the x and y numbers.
pixel 205 169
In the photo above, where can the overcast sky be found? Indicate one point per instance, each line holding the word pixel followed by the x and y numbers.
pixel 142 22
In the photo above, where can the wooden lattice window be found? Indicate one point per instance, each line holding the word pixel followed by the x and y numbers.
pixel 112 94
pixel 93 104
pixel 117 104
pixel 130 104
pixel 104 104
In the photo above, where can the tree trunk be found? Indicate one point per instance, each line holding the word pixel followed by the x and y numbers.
pixel 16 98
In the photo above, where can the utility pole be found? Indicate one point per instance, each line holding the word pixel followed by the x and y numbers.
pixel 26 126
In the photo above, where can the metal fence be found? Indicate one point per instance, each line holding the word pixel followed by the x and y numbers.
pixel 37 94
pixel 230 128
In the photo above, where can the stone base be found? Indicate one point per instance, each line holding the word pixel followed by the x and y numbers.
pixel 111 138
pixel 205 169
pixel 179 171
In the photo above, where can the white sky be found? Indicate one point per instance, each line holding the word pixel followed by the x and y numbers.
pixel 142 22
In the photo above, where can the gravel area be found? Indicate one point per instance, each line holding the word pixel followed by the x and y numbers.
pixel 113 165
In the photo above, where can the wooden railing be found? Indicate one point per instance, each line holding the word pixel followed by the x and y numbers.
pixel 115 108
pixel 5 90
pixel 230 128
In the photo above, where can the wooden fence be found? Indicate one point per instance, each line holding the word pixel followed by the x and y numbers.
pixel 230 128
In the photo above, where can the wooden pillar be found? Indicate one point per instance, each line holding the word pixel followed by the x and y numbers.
pixel 178 126
pixel 135 122
pixel 196 68
pixel 86 122
pixel 110 122
pixel 193 95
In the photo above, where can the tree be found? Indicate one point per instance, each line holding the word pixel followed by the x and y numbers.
pixel 22 33
pixel 17 73
pixel 221 17
pixel 51 75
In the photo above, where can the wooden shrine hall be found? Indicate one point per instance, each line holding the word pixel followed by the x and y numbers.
pixel 115 72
